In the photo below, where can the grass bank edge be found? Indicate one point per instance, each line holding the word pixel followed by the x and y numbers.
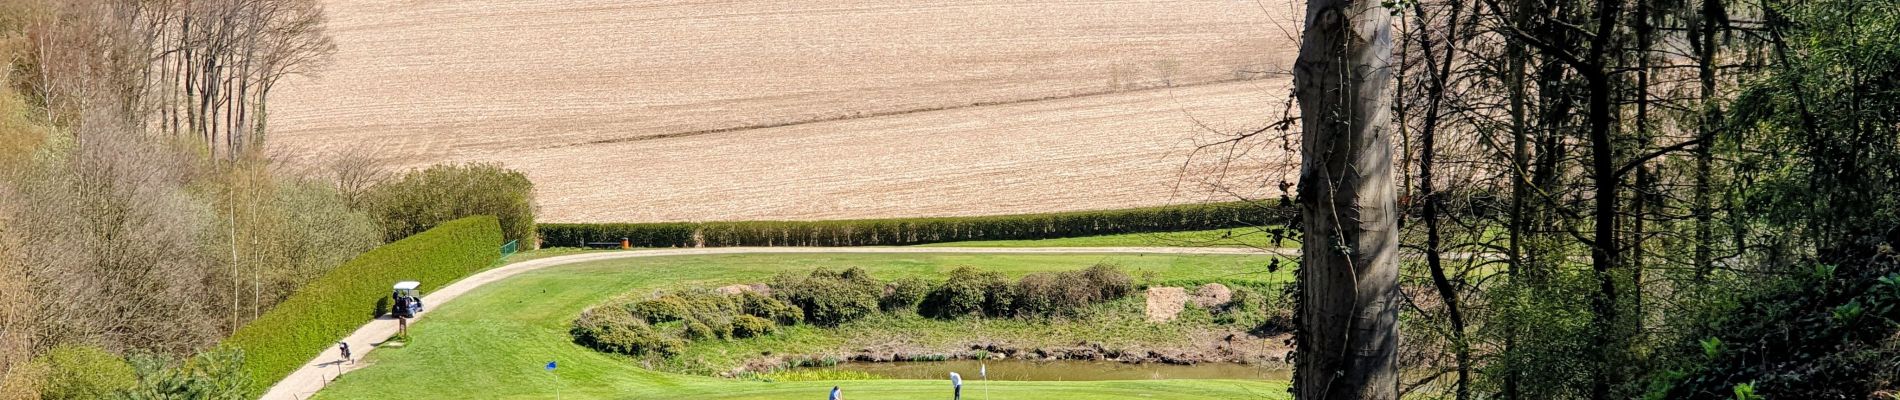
pixel 340 301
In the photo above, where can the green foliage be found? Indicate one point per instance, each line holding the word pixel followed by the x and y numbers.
pixel 1262 310
pixel 215 374
pixel 969 291
pixel 767 307
pixel 1812 336
pixel 662 309
pixel 421 199
pixel 829 298
pixel 611 331
pixel 696 330
pixel 1746 391
pixel 334 305
pixel 747 326
pixel 83 373
pixel 907 231
pixel 903 294
pixel 1821 123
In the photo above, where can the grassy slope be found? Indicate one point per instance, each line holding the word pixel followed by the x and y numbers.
pixel 493 342
pixel 1236 237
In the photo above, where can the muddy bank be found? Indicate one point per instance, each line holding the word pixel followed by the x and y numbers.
pixel 1226 346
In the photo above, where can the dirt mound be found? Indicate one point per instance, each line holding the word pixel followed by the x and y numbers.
pixel 759 288
pixel 1212 295
pixel 1164 303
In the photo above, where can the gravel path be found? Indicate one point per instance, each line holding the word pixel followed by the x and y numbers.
pixel 306 381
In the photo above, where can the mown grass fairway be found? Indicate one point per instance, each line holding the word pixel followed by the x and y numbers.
pixel 494 341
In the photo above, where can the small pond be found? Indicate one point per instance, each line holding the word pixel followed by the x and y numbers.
pixel 1064 370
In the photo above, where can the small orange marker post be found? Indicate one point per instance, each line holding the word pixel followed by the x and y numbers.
pixel 624 244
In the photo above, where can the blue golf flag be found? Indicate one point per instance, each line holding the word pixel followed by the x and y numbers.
pixel 550 365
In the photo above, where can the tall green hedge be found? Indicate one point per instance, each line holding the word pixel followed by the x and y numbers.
pixel 908 231
pixel 334 305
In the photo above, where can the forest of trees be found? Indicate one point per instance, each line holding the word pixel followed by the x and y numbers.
pixel 141 220
pixel 1600 199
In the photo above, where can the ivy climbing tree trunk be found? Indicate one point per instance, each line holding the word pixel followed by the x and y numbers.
pixel 1348 338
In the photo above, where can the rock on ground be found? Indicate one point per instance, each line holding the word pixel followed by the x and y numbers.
pixel 1164 303
pixel 1212 295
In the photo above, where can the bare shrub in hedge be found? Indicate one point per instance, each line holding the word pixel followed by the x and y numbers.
pixel 1108 281
pixel 829 298
pixel 1050 294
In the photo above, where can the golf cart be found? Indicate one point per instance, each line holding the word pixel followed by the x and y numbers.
pixel 408 301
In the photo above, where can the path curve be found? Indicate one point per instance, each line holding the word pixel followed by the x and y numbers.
pixel 319 371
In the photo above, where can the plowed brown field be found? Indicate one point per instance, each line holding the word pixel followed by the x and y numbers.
pixel 809 109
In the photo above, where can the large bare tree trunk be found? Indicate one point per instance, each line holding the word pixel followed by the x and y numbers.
pixel 1348 338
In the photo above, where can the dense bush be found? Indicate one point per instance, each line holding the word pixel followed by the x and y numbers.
pixel 617 332
pixel 903 294
pixel 968 292
pixel 1826 335
pixel 904 231
pixel 421 199
pixel 747 326
pixel 666 308
pixel 336 304
pixel 217 374
pixel 829 298
pixel 767 307
pixel 83 373
pixel 696 330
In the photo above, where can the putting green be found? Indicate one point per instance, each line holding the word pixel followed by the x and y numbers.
pixel 495 341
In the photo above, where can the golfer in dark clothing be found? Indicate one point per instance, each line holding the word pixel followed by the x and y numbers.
pixel 345 347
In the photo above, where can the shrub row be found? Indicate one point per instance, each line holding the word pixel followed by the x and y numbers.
pixel 332 306
pixel 1043 294
pixel 907 231
pixel 830 298
pixel 663 324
